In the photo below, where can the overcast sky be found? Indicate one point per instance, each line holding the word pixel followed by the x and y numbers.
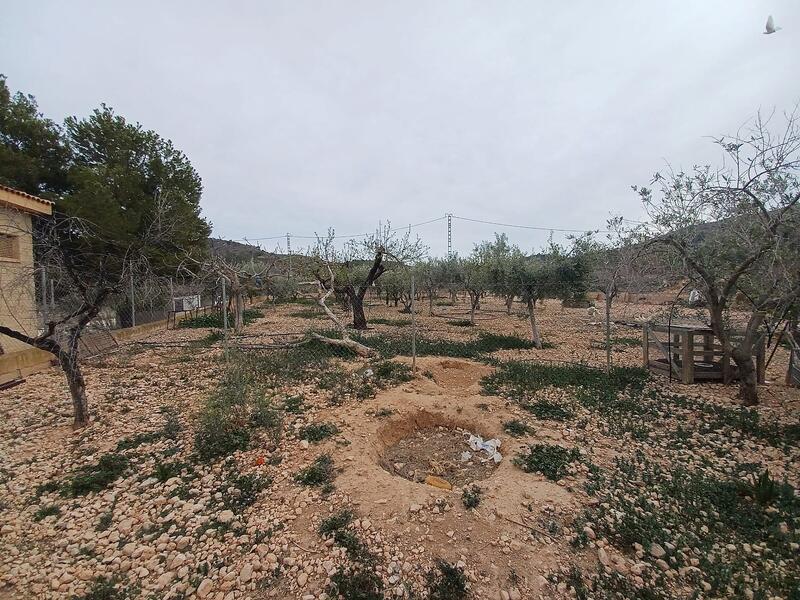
pixel 303 115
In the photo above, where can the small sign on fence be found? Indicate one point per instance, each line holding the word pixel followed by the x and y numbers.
pixel 184 303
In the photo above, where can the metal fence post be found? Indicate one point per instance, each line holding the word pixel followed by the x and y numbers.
pixel 224 320
pixel 224 308
pixel 413 330
pixel 171 304
pixel 133 303
pixel 44 297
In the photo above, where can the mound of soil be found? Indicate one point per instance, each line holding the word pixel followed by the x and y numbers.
pixel 437 451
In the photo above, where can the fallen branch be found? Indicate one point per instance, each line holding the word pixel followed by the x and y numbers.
pixel 531 527
pixel 352 345
pixel 306 549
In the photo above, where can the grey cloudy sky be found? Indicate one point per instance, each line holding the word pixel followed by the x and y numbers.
pixel 303 115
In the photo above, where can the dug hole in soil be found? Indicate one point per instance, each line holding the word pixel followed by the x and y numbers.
pixel 426 444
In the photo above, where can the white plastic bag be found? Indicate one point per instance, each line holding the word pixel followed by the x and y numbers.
pixel 478 444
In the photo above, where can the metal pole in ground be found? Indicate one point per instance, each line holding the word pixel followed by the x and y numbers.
pixel 224 308
pixel 44 297
pixel 224 320
pixel 289 252
pixel 171 303
pixel 133 301
pixel 413 330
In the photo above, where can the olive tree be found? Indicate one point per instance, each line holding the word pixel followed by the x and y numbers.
pixel 474 277
pixel 621 264
pixel 499 258
pixel 557 272
pixel 734 233
pixel 429 277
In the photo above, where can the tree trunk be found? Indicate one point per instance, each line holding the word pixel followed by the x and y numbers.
pixel 537 340
pixel 793 335
pixel 430 303
pixel 509 302
pixel 77 387
pixel 474 299
pixel 359 318
pixel 238 313
pixel 748 381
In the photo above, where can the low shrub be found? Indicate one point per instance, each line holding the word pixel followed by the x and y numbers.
pixel 48 510
pixel 242 490
pixel 46 488
pixel 546 410
pixel 471 496
pixel 221 432
pixel 316 432
pixel 389 372
pixel 264 415
pixel 517 428
pixel 336 521
pixel 484 343
pixel 446 581
pixel 167 470
pixel 148 437
pixel 214 319
pixel 318 473
pixel 549 460
pixel 522 379
pixel 764 490
pixel 359 583
pixel 105 520
pixel 232 410
pixel 461 323
pixel 294 405
pixel 106 589
pixel 96 477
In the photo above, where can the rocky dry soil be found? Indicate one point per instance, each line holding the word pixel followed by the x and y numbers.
pixel 256 473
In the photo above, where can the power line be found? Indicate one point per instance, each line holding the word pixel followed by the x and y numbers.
pixel 345 237
pixel 448 216
pixel 522 226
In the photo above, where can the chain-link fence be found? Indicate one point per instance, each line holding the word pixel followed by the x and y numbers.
pixel 144 300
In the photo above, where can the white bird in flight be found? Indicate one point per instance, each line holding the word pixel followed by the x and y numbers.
pixel 771 26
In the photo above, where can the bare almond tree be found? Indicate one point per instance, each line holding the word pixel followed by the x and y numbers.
pixel 734 232
pixel 324 292
pixel 241 279
pixel 622 264
pixel 95 268
pixel 355 267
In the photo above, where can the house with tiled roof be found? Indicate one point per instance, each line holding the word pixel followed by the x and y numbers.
pixel 18 308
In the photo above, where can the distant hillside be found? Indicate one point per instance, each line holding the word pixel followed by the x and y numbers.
pixel 238 253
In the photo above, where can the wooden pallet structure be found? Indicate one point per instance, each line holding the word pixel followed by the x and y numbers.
pixel 96 342
pixel 691 353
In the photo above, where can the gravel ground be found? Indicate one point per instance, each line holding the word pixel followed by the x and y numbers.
pixel 127 501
